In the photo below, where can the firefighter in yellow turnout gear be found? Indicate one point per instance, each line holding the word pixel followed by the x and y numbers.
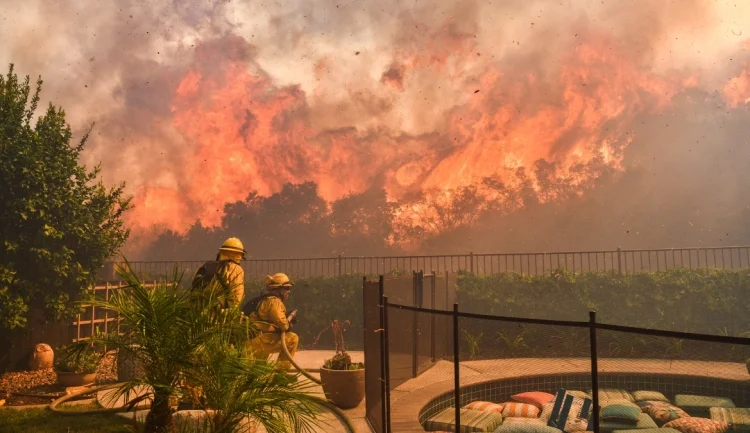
pixel 269 309
pixel 232 251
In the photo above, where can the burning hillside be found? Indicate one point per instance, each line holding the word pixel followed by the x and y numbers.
pixel 447 104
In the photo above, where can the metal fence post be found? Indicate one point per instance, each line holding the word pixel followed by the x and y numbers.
pixel 456 374
pixel 594 370
pixel 383 344
pixel 338 265
pixel 619 261
pixel 387 363
pixel 471 262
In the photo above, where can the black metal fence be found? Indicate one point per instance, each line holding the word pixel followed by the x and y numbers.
pixel 690 370
pixel 619 260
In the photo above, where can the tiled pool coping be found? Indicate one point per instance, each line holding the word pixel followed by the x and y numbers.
pixel 409 399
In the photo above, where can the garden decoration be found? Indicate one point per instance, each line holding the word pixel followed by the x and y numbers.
pixel 343 381
pixel 76 369
pixel 42 358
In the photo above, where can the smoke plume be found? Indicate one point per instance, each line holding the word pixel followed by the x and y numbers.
pixel 472 125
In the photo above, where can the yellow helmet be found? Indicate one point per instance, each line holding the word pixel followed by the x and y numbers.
pixel 233 245
pixel 278 280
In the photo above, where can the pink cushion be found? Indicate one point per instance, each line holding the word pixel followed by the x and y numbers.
pixel 536 398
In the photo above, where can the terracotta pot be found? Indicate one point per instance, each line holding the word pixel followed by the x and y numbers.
pixel 42 358
pixel 344 388
pixel 68 379
pixel 128 367
pixel 747 365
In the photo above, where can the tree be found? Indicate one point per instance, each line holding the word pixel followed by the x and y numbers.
pixel 57 226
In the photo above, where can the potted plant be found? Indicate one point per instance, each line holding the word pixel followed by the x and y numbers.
pixel 76 369
pixel 343 381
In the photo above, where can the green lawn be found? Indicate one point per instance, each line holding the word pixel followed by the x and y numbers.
pixel 41 420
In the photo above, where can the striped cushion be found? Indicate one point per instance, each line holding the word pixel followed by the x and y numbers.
pixel 738 417
pixel 649 395
pixel 663 412
pixel 698 425
pixel 471 421
pixel 611 393
pixel 525 428
pixel 485 406
pixel 511 409
pixel 547 411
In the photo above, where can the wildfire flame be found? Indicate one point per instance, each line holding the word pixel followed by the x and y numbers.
pixel 249 134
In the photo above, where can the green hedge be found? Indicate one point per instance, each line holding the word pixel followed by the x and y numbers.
pixel 712 301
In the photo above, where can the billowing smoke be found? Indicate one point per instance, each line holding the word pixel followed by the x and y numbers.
pixel 516 125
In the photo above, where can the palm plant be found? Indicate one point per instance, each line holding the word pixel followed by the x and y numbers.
pixel 186 341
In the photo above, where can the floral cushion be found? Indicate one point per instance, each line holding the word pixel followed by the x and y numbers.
pixel 619 412
pixel 649 396
pixel 663 412
pixel 698 425
pixel 576 425
pixel 471 421
pixel 738 417
pixel 486 406
pixel 537 398
pixel 512 409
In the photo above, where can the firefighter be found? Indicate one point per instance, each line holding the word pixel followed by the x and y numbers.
pixel 227 267
pixel 270 310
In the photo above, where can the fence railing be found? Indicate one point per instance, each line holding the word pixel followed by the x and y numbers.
pixel 535 263
pixel 702 365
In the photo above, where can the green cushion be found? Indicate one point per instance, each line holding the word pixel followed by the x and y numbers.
pixel 525 428
pixel 644 422
pixel 699 405
pixel 620 412
pixel 649 395
pixel 471 421
pixel 738 417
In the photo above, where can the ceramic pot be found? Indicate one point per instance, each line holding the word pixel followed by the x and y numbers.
pixel 344 388
pixel 42 358
pixel 68 379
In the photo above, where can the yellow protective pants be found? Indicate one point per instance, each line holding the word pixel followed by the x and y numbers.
pixel 265 344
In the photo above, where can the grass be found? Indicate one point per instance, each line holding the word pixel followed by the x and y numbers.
pixel 42 420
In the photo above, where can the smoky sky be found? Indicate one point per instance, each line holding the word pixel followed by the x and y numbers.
pixel 118 65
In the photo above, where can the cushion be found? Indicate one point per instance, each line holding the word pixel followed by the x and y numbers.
pixel 644 422
pixel 486 406
pixel 699 405
pixel 620 412
pixel 512 409
pixel 738 417
pixel 522 420
pixel 575 425
pixel 663 412
pixel 537 398
pixel 649 395
pixel 525 428
pixel 619 401
pixel 579 394
pixel 547 411
pixel 471 421
pixel 610 393
pixel 648 430
pixel 697 425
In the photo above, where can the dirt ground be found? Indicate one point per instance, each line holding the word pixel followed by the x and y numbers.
pixel 20 388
